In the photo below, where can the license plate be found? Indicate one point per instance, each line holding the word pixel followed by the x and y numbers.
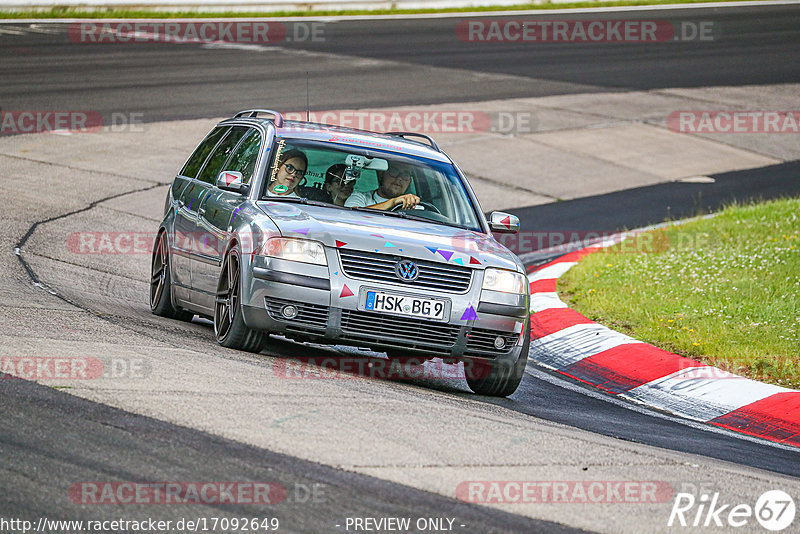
pixel 406 305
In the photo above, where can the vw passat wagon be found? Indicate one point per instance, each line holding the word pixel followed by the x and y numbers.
pixel 341 236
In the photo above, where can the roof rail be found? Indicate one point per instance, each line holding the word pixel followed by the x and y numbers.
pixel 277 118
pixel 414 134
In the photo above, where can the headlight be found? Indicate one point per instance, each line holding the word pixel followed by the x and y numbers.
pixel 505 281
pixel 296 250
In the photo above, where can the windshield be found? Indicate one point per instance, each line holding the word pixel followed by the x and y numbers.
pixel 356 178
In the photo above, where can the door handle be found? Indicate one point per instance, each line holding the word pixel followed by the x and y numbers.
pixel 201 211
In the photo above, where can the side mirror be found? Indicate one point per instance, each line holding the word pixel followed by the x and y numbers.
pixel 232 181
pixel 503 223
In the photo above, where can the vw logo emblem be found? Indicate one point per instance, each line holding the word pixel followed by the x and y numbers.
pixel 406 270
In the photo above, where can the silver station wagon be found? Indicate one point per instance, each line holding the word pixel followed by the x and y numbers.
pixel 339 236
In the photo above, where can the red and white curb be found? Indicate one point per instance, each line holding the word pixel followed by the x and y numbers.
pixel 574 346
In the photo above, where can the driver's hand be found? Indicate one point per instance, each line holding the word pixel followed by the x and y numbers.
pixel 408 201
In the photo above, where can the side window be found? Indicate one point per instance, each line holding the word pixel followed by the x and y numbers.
pixel 200 154
pixel 220 155
pixel 245 157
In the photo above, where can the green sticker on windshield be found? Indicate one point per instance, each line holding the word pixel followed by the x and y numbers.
pixel 280 188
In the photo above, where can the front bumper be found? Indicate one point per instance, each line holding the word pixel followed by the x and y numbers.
pixel 330 310
pixel 379 331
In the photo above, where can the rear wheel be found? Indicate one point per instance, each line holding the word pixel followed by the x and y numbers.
pixel 161 284
pixel 490 378
pixel 229 326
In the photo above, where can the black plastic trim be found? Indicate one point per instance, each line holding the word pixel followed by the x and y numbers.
pixel 290 278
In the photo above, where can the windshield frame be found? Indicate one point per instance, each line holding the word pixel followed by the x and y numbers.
pixel 452 173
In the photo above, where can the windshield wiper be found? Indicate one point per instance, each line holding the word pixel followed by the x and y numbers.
pixel 411 217
pixel 401 214
pixel 299 200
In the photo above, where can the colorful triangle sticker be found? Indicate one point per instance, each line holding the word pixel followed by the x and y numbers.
pixel 388 245
pixel 340 244
pixel 446 254
pixel 469 314
pixel 432 249
pixel 458 261
pixel 473 261
pixel 346 292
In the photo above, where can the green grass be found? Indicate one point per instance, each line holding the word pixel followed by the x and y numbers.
pixel 84 13
pixel 723 290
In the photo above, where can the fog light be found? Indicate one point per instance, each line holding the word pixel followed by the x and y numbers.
pixel 499 342
pixel 290 312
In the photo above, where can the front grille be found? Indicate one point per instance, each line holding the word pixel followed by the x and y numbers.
pixel 480 342
pixel 309 316
pixel 401 332
pixel 380 268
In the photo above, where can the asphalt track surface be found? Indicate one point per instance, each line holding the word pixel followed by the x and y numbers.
pixel 367 64
pixel 44 432
pixel 171 82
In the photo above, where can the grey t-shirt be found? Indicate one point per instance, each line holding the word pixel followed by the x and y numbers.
pixel 363 199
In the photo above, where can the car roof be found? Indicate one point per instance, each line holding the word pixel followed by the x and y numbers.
pixel 351 136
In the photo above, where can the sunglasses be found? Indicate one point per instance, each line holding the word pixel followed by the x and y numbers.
pixel 291 169
pixel 406 175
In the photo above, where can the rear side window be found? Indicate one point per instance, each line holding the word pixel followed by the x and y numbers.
pixel 246 154
pixel 196 160
pixel 221 154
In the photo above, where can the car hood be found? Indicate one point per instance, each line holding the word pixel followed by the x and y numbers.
pixel 373 232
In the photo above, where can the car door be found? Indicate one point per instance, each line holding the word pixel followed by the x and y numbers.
pixel 198 244
pixel 183 189
pixel 216 214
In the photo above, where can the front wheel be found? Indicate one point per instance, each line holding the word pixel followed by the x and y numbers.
pixel 229 327
pixel 495 380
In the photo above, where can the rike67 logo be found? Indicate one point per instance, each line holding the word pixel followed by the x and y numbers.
pixel 774 510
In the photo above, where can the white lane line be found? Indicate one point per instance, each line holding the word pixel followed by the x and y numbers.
pixel 702 394
pixel 641 408
pixel 574 343
pixel 45 28
pixel 552 271
pixel 238 46
pixel 545 301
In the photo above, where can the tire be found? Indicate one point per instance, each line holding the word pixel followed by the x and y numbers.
pixel 229 327
pixel 491 379
pixel 161 283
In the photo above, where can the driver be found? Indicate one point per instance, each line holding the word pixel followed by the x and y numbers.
pixel 391 192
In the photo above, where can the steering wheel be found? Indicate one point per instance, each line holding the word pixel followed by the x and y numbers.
pixel 425 205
